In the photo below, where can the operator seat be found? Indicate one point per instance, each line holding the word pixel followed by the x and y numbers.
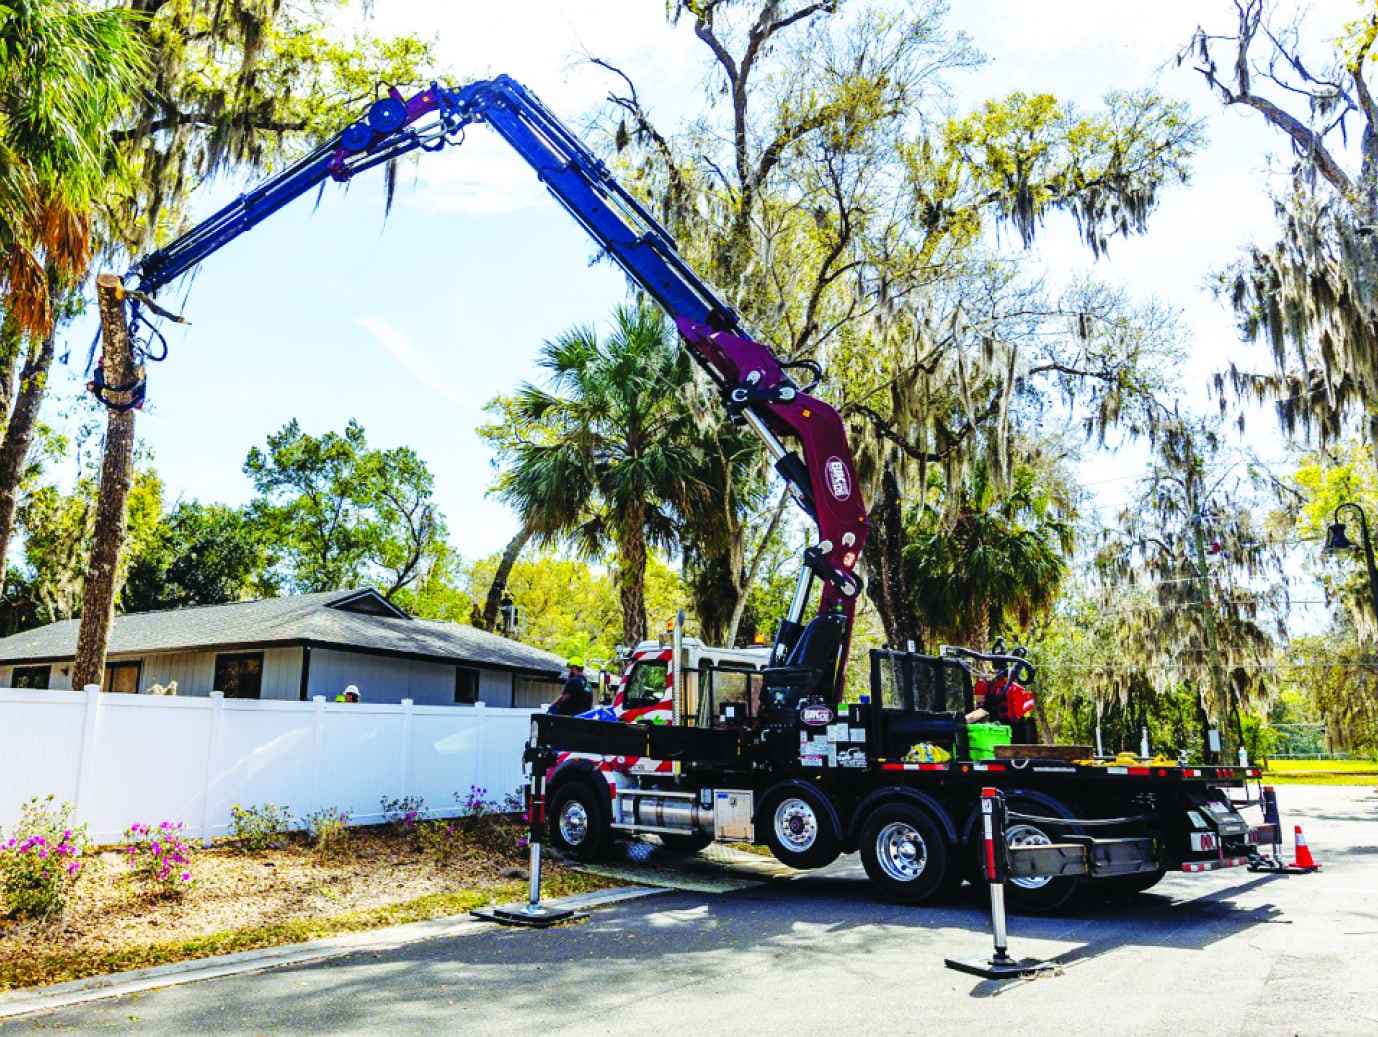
pixel 811 667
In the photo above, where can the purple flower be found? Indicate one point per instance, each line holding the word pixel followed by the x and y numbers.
pixel 186 876
pixel 73 868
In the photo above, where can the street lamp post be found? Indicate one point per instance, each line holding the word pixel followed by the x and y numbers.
pixel 1337 540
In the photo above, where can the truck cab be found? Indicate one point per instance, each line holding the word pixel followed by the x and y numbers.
pixel 717 683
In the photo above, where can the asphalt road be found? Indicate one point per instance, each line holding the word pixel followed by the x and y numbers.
pixel 1223 953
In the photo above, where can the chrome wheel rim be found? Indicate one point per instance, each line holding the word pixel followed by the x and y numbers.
pixel 901 851
pixel 1027 835
pixel 574 823
pixel 796 825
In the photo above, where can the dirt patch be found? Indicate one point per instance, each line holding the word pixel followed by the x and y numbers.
pixel 254 900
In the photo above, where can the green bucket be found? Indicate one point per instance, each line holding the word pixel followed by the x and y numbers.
pixel 983 738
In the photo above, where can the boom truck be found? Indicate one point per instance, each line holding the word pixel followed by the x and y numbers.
pixel 759 746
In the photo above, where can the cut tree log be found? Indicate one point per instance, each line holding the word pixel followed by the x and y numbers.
pixel 116 473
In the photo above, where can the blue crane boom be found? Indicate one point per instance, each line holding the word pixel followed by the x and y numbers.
pixel 757 385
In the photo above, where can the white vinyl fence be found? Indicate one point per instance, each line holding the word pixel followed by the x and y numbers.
pixel 125 758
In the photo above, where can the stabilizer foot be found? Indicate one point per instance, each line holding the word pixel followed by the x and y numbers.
pixel 532 917
pixel 1000 967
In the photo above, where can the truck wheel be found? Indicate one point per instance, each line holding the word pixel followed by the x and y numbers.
pixel 686 844
pixel 794 823
pixel 904 852
pixel 578 822
pixel 1043 894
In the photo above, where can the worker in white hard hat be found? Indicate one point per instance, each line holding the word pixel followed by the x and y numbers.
pixel 350 694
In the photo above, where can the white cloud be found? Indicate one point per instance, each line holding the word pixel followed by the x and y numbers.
pixel 415 362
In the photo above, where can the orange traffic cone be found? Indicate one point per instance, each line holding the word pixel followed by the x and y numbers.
pixel 1304 861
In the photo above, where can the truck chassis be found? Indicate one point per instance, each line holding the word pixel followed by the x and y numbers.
pixel 811 783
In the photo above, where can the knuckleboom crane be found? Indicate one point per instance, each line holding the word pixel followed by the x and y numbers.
pixel 758 387
pixel 810 777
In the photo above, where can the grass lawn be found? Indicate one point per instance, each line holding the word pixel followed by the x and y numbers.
pixel 240 901
pixel 1322 772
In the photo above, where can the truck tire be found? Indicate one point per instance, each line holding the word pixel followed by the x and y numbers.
pixel 579 820
pixel 686 845
pixel 904 852
pixel 1044 894
pixel 796 824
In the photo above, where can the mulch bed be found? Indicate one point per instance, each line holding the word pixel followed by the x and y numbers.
pixel 240 900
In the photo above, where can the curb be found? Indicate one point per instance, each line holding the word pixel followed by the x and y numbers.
pixel 98 988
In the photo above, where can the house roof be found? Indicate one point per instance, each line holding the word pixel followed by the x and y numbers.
pixel 359 619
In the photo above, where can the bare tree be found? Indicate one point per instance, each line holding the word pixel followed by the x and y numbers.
pixel 1313 295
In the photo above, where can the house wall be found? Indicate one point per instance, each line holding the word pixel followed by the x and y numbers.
pixel 533 692
pixel 379 678
pixel 194 672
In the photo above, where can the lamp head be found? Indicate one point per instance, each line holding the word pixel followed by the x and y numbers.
pixel 1336 539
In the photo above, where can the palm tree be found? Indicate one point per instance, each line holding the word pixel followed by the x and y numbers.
pixel 983 557
pixel 68 71
pixel 605 456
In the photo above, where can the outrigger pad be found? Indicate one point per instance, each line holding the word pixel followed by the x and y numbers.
pixel 539 917
pixel 997 968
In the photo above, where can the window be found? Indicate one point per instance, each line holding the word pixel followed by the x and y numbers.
pixel 31 676
pixel 646 686
pixel 122 678
pixel 240 675
pixel 466 686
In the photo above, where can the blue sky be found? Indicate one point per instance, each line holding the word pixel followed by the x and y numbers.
pixel 411 325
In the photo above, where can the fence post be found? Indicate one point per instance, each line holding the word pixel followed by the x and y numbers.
pixel 317 740
pixel 407 705
pixel 212 751
pixel 480 713
pixel 87 752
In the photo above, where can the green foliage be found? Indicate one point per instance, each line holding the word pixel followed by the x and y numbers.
pixel 1334 675
pixel 68 71
pixel 259 828
pixel 237 86
pixel 982 559
pixel 339 512
pixel 41 860
pixel 570 608
pixel 328 830
pixel 198 554
pixel 1213 603
pixel 1326 481
pixel 402 813
pixel 610 458
pixel 1027 155
pixel 58 529
pixel 438 592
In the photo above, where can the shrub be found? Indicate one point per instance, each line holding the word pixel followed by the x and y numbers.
pixel 159 857
pixel 443 841
pixel 262 827
pixel 329 831
pixel 41 860
pixel 402 813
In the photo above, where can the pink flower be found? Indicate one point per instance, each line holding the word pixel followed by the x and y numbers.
pixel 74 867
pixel 186 876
